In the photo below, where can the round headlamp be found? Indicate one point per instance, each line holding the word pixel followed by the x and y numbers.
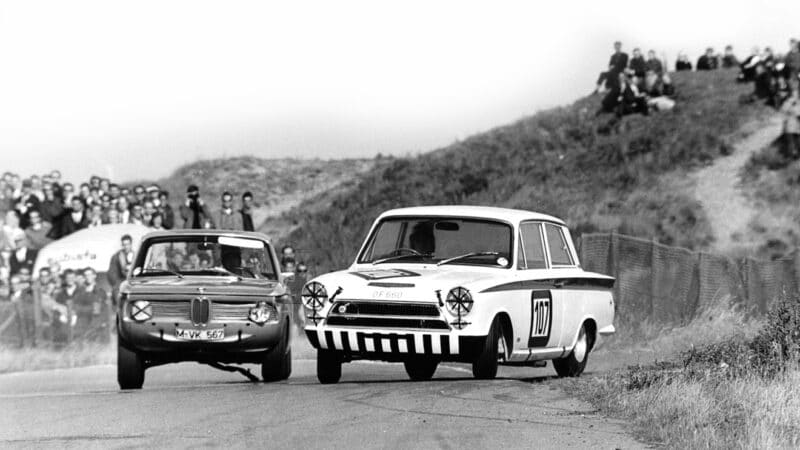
pixel 141 310
pixel 459 302
pixel 262 313
pixel 314 296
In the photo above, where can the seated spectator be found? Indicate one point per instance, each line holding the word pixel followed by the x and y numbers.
pixel 748 66
pixel 683 63
pixel 52 210
pixel 637 63
pixel 112 216
pixel 25 203
pixel 148 209
pixel 114 191
pixel 708 61
pixel 659 90
pixel 38 231
pixel 729 60
pixel 654 64
pixel 227 218
pixel 137 215
pixel 139 194
pixel 616 65
pixel 632 101
pixel 22 257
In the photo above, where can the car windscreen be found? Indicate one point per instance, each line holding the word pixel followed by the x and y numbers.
pixel 439 240
pixel 205 255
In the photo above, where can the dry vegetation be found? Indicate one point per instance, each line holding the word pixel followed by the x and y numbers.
pixel 78 354
pixel 721 381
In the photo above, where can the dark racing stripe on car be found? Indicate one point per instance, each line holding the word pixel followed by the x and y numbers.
pixel 312 338
pixel 345 341
pixel 329 339
pixel 554 283
pixel 427 344
pixel 445 344
pixel 393 341
pixel 410 343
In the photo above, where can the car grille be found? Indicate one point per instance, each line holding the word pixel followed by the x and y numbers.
pixel 386 315
pixel 220 311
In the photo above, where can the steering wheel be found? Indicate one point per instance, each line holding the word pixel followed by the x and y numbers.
pixel 409 250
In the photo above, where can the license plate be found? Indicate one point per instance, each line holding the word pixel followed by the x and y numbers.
pixel 199 335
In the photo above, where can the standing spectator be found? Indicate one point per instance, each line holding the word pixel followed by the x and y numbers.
pixel 228 219
pixel 95 216
pixel 76 219
pixel 194 212
pixel 654 64
pixel 26 203
pixel 22 298
pixel 616 65
pixel 124 210
pixel 137 215
pixel 90 305
pixel 119 265
pixel 105 185
pixel 296 285
pixel 67 194
pixel 157 221
pixel 728 58
pixel 51 210
pixel 166 209
pixel 139 195
pixel 791 124
pixel 11 229
pixel 84 192
pixel 148 210
pixel 637 63
pixel 114 191
pixel 23 257
pixel 793 61
pixel 38 231
pixel 287 256
pixel 66 298
pixel 112 216
pixel 5 267
pixel 708 61
pixel 246 211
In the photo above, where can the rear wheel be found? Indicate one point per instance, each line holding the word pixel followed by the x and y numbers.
pixel 484 367
pixel 277 364
pixel 329 367
pixel 420 369
pixel 574 363
pixel 130 367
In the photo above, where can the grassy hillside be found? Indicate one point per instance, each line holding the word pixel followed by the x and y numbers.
pixel 599 173
pixel 277 184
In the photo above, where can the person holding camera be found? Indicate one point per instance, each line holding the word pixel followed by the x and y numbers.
pixel 194 211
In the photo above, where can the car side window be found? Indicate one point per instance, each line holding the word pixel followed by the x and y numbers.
pixel 559 251
pixel 531 233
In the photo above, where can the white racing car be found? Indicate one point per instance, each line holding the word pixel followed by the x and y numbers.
pixel 471 284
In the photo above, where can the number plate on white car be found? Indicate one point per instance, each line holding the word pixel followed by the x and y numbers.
pixel 200 335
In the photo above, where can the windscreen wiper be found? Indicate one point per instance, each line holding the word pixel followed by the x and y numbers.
pixel 224 271
pixel 150 270
pixel 465 256
pixel 396 257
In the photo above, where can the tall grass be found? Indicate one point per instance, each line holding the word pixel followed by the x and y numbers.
pixel 78 354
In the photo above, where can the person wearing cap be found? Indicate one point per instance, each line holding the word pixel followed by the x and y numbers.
pixel 247 211
pixel 227 218
pixel 194 211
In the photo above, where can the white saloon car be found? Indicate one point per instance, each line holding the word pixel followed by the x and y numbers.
pixel 471 284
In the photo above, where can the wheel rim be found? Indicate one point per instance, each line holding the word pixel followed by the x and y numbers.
pixel 501 348
pixel 581 346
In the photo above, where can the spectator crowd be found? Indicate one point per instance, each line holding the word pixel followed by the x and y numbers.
pixel 638 84
pixel 37 210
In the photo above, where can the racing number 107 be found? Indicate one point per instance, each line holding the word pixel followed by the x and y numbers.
pixel 541 318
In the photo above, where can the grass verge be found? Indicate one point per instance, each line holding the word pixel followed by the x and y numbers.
pixel 740 389
pixel 78 354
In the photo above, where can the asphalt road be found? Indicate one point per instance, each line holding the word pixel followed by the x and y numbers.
pixel 374 406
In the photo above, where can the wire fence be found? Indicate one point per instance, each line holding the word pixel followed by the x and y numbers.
pixel 670 285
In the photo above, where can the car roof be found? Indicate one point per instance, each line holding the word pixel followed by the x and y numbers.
pixel 489 212
pixel 207 232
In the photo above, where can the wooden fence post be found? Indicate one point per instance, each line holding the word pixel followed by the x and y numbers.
pixel 653 285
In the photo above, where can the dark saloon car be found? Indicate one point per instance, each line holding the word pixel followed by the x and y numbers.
pixel 213 297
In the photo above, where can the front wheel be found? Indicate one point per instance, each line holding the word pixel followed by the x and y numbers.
pixel 277 364
pixel 130 367
pixel 421 369
pixel 484 367
pixel 573 364
pixel 329 367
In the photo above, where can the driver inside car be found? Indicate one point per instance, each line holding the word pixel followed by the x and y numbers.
pixel 422 239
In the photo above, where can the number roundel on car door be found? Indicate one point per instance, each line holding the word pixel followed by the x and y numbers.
pixel 541 318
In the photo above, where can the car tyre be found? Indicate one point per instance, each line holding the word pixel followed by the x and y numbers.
pixel 573 364
pixel 484 367
pixel 130 367
pixel 420 369
pixel 329 367
pixel 277 364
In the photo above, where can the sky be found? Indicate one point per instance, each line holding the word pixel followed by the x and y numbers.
pixel 133 89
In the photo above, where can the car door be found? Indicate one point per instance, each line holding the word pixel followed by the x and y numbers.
pixel 566 302
pixel 533 260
